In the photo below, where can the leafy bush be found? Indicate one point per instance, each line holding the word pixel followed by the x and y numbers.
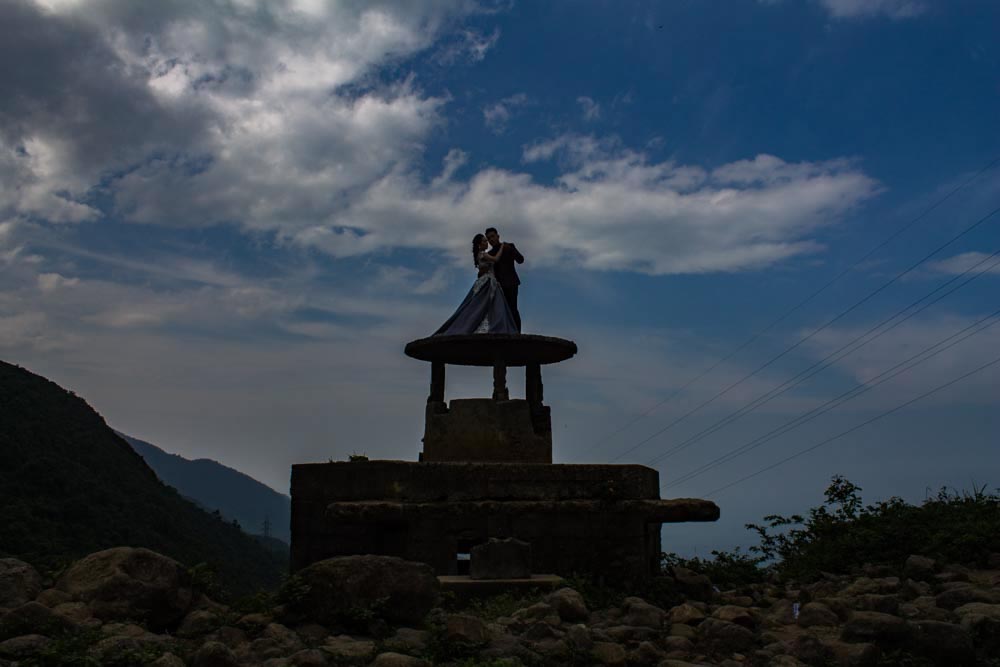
pixel 843 533
pixel 727 570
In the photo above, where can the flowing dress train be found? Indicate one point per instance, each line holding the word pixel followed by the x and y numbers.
pixel 484 309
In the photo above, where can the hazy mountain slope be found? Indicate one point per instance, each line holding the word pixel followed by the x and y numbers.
pixel 69 485
pixel 218 487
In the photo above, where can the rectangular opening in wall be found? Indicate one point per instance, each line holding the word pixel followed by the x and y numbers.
pixel 463 556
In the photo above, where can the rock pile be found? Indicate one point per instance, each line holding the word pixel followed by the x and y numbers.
pixel 136 607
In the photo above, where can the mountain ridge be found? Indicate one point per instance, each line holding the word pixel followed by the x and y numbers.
pixel 216 486
pixel 69 486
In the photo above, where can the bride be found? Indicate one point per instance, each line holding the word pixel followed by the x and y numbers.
pixel 484 309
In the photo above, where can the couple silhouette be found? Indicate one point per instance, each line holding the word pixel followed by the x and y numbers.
pixel 491 304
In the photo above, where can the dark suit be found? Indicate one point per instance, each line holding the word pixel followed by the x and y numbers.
pixel 506 275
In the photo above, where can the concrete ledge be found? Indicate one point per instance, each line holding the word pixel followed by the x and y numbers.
pixel 465 588
pixel 439 481
pixel 677 510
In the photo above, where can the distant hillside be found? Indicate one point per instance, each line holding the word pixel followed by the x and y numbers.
pixel 218 487
pixel 69 485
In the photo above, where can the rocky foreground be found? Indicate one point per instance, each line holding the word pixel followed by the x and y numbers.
pixel 128 606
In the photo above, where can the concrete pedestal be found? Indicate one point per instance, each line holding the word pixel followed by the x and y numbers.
pixel 598 519
pixel 483 430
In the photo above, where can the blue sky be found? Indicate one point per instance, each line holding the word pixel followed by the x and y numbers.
pixel 221 221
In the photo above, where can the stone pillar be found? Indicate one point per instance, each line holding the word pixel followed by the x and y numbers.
pixel 437 383
pixel 533 385
pixel 500 392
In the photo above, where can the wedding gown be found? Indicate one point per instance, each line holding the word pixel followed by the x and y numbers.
pixel 484 309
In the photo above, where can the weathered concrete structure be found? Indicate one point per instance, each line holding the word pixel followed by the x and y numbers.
pixel 485 472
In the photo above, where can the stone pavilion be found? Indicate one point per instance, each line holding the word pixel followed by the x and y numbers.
pixel 486 471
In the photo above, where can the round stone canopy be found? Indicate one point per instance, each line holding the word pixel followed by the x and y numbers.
pixel 487 349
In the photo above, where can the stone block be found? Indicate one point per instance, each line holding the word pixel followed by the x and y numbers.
pixel 485 430
pixel 501 559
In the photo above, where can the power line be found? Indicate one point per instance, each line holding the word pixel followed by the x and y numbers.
pixel 814 332
pixel 829 360
pixel 857 427
pixel 791 310
pixel 849 395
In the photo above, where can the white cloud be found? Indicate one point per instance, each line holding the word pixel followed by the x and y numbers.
pixel 263 116
pixel 957 264
pixel 591 110
pixel 910 338
pixel 896 9
pixel 247 96
pixel 498 115
pixel 48 282
pixel 611 209
pixel 468 45
pixel 848 9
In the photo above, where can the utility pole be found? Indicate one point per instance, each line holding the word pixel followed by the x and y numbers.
pixel 267 526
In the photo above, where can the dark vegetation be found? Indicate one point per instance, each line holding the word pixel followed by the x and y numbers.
pixel 70 486
pixel 843 534
pixel 214 486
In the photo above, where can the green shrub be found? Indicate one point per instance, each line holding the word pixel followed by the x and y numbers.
pixel 505 604
pixel 843 534
pixel 727 570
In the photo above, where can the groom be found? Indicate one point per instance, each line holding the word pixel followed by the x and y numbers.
pixel 505 273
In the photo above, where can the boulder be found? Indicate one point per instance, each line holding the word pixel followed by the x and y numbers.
pixel 885 603
pixel 19 583
pixel 639 613
pixel 500 559
pixel 276 641
pixel 32 618
pixel 130 583
pixel 607 653
pixel 782 612
pixel 198 623
pixel 506 647
pixel 810 650
pixel 345 650
pixel 979 609
pixel 944 643
pixel 214 654
pixel 538 612
pixel 390 659
pixel 347 587
pixel 25 646
pixel 308 657
pixel 578 639
pixel 53 597
pixel 919 567
pixel 877 628
pixel 724 637
pixel 735 614
pixel 553 650
pixel 854 655
pixel 465 629
pixel 569 604
pixel 956 597
pixel 691 584
pixel 407 640
pixel 816 613
pixel 167 660
pixel 683 630
pixel 624 634
pixel 646 653
pixel 686 614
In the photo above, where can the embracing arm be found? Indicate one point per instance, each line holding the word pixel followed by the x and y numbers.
pixel 492 258
pixel 518 257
